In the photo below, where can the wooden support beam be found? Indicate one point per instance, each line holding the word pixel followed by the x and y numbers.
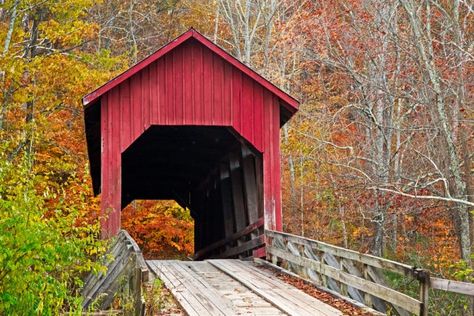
pixel 259 181
pixel 250 184
pixel 253 189
pixel 205 218
pixel 204 252
pixel 197 234
pixel 216 219
pixel 226 199
pixel 237 191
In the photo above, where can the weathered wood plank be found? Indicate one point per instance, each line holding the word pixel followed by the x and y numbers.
pixel 183 296
pixel 206 291
pixel 267 295
pixel 452 286
pixel 285 289
pixel 245 301
pixel 279 297
pixel 194 290
pixel 197 285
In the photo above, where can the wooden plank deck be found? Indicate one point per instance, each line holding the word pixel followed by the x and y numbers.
pixel 233 287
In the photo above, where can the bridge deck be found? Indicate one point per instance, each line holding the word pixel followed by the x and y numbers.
pixel 234 287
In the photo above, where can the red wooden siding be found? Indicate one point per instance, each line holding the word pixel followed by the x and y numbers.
pixel 200 91
pixel 190 84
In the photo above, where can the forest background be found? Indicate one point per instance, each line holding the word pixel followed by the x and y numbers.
pixel 378 159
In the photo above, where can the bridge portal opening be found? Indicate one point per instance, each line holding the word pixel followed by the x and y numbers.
pixel 209 170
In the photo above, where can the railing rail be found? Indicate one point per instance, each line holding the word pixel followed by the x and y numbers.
pixel 126 272
pixel 356 275
pixel 236 244
pixel 452 286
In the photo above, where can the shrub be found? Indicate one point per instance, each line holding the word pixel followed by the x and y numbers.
pixel 43 250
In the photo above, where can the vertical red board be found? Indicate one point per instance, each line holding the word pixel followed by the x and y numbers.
pixel 110 128
pixel 115 162
pixel 247 108
pixel 268 194
pixel 145 104
pixel 178 86
pixel 162 97
pixel 188 104
pixel 197 84
pixel 136 100
pixel 276 163
pixel 110 175
pixel 218 77
pixel 154 104
pixel 237 100
pixel 124 107
pixel 227 95
pixel 207 87
pixel 258 130
pixel 168 113
pixel 104 130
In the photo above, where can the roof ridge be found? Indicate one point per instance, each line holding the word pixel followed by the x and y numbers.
pixel 290 102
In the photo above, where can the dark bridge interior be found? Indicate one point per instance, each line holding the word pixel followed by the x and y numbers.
pixel 210 170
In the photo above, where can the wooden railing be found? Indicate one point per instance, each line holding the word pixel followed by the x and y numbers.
pixel 126 272
pixel 236 244
pixel 356 275
pixel 452 286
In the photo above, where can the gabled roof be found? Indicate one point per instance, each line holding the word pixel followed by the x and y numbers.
pixel 289 102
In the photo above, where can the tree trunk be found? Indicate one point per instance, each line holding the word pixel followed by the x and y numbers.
pixel 424 47
pixel 11 27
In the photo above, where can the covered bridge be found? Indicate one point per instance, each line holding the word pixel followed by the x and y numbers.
pixel 193 124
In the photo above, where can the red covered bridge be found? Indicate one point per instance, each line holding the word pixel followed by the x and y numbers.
pixel 193 124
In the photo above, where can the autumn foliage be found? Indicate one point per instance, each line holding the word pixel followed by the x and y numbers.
pixel 378 158
pixel 162 229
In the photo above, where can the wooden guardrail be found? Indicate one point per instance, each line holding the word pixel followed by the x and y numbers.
pixel 236 244
pixel 126 272
pixel 452 286
pixel 356 275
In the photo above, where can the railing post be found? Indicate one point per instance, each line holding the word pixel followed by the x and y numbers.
pixel 342 286
pixel 423 277
pixel 268 242
pixel 367 297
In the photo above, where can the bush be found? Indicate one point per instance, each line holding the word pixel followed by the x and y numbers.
pixel 43 250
